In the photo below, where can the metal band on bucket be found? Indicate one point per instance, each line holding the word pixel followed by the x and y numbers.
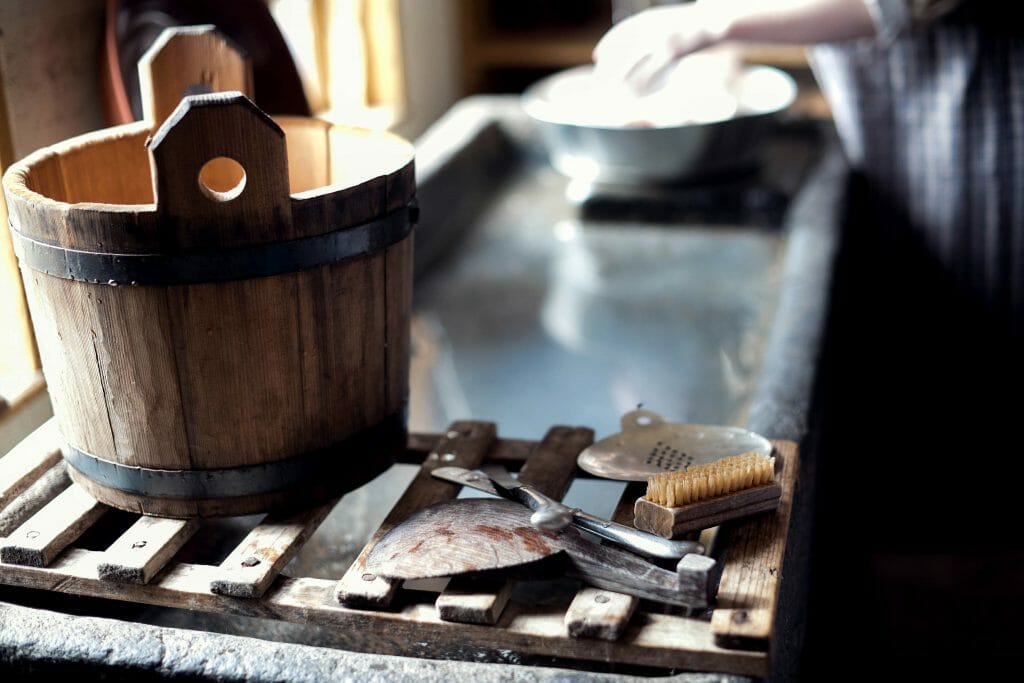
pixel 239 263
pixel 247 480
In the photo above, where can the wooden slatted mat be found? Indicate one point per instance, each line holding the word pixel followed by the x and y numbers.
pixel 146 564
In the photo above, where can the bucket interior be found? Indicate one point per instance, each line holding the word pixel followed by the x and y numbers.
pixel 115 169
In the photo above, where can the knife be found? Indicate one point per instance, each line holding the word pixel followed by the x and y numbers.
pixel 495 480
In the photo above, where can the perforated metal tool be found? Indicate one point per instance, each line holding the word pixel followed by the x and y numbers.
pixel 648 445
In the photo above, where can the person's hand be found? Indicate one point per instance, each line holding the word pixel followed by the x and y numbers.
pixel 640 50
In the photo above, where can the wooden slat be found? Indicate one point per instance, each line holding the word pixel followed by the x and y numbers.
pixel 62 314
pixel 505 451
pixel 658 640
pixel 49 531
pixel 252 566
pixel 472 601
pixel 550 469
pixel 464 445
pixel 27 461
pixel 30 501
pixel 752 574
pixel 415 627
pixel 596 613
pixel 145 548
pixel 600 613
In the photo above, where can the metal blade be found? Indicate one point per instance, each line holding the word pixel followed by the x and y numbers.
pixel 460 536
pixel 460 475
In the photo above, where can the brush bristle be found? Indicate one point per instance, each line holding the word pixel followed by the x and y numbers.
pixel 701 482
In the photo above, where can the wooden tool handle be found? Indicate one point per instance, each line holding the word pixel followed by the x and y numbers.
pixel 220 174
pixel 692 585
pixel 185 58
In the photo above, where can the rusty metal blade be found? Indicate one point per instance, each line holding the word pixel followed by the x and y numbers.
pixel 461 536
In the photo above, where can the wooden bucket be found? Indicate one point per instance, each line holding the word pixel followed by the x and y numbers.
pixel 220 343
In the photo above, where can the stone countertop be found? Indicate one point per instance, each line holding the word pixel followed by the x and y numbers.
pixel 780 406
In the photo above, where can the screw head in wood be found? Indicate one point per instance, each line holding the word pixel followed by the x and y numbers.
pixel 601 598
pixel 250 561
pixel 369 577
pixel 139 544
pixel 31 534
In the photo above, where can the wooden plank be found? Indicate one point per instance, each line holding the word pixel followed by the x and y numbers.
pixel 30 501
pixel 49 531
pixel 604 614
pixel 752 574
pixel 505 451
pixel 658 640
pixel 550 469
pixel 473 601
pixel 145 548
pixel 465 444
pixel 596 613
pixel 252 566
pixel 26 462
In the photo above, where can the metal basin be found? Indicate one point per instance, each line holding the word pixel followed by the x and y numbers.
pixel 662 152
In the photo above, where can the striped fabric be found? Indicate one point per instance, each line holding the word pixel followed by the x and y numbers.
pixel 932 115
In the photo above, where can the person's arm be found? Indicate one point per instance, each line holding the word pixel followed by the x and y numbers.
pixel 638 48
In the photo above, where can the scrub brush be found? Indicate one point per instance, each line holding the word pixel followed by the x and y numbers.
pixel 701 482
pixel 705 495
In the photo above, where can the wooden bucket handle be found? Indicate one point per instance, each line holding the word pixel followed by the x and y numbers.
pixel 220 174
pixel 220 169
pixel 187 59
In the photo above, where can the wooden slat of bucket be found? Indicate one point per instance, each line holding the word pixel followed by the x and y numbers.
pixel 465 444
pixel 398 302
pixel 550 469
pixel 211 366
pixel 254 564
pixel 103 173
pixel 36 542
pixel 43 189
pixel 67 348
pixel 600 613
pixel 27 461
pixel 186 56
pixel 328 342
pixel 144 549
pixel 135 356
pixel 748 592
pixel 309 152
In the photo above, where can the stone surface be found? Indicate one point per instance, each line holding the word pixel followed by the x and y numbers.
pixel 36 641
